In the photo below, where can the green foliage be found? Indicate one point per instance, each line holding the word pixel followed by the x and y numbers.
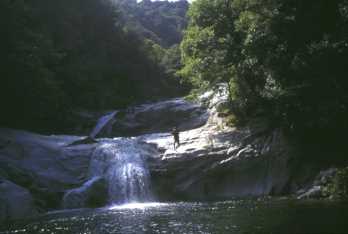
pixel 287 58
pixel 171 60
pixel 159 21
pixel 155 51
pixel 160 24
pixel 338 187
pixel 62 55
pixel 204 49
pixel 231 120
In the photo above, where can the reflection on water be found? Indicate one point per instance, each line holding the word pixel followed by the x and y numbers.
pixel 137 206
pixel 221 217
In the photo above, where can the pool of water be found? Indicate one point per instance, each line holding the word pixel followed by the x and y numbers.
pixel 267 216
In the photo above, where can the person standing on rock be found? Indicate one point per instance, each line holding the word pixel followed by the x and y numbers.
pixel 175 133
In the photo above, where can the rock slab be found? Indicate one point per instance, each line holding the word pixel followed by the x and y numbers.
pixel 15 202
pixel 91 194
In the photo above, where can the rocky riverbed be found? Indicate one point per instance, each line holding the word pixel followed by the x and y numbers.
pixel 214 161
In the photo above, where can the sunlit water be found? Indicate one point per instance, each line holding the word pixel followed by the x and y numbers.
pixel 222 217
pixel 122 162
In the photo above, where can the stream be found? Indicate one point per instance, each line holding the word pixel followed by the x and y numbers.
pixel 119 169
pixel 246 216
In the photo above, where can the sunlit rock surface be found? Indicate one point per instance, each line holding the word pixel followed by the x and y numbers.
pixel 213 162
pixel 219 162
pixel 146 118
pixel 159 117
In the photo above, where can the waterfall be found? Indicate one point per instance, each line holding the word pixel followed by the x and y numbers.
pixel 122 162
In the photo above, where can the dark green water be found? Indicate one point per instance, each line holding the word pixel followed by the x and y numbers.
pixel 221 217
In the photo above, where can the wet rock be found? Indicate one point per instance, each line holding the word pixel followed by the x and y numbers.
pixel 82 121
pixel 15 202
pixel 104 124
pixel 317 187
pixel 325 176
pixel 84 141
pixel 44 164
pixel 91 194
pixel 159 117
pixel 315 192
pixel 214 161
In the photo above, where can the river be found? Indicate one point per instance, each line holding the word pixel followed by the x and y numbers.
pixel 122 166
pixel 246 216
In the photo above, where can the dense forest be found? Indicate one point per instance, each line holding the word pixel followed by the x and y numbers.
pixel 162 22
pixel 185 106
pixel 61 56
pixel 283 60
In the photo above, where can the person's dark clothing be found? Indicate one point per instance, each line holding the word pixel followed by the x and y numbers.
pixel 175 134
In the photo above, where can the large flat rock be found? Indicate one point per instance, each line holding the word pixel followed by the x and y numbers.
pixel 213 162
pixel 217 162
pixel 159 117
pixel 45 165
pixel 218 166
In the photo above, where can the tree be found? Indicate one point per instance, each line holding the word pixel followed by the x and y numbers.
pixel 286 58
pixel 66 55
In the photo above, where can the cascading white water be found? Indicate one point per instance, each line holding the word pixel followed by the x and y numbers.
pixel 122 162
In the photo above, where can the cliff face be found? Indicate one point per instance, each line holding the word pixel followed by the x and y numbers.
pixel 213 162
pixel 52 173
pixel 225 170
pixel 219 162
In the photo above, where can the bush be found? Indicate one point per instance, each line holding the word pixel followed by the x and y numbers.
pixel 338 188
